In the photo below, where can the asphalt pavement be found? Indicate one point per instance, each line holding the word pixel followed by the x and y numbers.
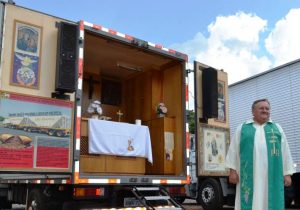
pixel 189 204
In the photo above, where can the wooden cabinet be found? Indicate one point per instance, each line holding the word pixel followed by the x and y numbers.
pixel 162 132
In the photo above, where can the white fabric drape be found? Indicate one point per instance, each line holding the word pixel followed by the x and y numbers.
pixel 115 138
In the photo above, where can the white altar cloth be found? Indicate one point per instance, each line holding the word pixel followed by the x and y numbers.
pixel 115 138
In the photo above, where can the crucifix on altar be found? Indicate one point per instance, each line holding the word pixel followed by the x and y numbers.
pixel 119 113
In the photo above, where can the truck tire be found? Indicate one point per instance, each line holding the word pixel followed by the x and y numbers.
pixel 210 195
pixel 36 200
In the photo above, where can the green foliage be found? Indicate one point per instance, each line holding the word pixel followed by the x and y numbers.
pixel 191 120
pixel 2 119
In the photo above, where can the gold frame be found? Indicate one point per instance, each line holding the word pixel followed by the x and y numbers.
pixel 213 143
pixel 26 55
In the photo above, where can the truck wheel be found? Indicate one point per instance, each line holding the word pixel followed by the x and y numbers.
pixel 36 200
pixel 210 195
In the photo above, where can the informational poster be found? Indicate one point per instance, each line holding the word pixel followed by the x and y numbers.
pixel 35 132
pixel 213 150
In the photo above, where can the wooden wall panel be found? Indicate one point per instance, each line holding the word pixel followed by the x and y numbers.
pixel 157 91
pixel 173 89
pixel 137 94
pixel 48 53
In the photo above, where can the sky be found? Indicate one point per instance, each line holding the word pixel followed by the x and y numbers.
pixel 242 37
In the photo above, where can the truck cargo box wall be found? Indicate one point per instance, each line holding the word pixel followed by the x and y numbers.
pixel 44 58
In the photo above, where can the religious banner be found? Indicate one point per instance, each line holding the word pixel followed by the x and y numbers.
pixel 213 146
pixel 221 102
pixel 28 137
pixel 26 52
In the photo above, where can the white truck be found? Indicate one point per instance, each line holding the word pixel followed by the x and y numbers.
pixel 49 64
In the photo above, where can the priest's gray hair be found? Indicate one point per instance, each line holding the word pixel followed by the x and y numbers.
pixel 260 100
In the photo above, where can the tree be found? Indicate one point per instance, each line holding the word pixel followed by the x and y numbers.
pixel 191 120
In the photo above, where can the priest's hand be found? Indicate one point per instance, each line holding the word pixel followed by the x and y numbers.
pixel 233 177
pixel 287 180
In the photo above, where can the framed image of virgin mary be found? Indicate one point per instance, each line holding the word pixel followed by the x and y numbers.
pixel 213 145
pixel 26 53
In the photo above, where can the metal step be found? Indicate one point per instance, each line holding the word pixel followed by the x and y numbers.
pixel 155 197
pixel 159 197
pixel 168 208
pixel 147 188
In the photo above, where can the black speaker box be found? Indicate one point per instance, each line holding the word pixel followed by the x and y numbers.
pixel 210 92
pixel 66 69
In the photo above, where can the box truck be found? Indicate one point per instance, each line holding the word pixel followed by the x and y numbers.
pixel 53 153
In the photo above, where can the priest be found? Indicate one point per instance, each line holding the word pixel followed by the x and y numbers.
pixel 260 161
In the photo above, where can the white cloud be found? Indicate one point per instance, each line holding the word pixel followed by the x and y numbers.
pixel 193 46
pixel 242 27
pixel 231 45
pixel 234 44
pixel 283 42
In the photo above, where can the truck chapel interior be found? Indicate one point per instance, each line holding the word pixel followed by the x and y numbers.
pixel 130 81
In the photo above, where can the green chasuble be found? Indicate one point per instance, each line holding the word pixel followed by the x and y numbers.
pixel 275 170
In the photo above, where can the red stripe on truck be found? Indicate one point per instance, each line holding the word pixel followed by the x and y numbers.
pixel 78 122
pixel 97 27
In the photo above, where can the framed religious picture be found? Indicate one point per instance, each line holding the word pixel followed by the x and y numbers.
pixel 26 53
pixel 111 92
pixel 221 102
pixel 213 146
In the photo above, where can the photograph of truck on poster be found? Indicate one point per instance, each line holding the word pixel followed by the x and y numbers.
pixel 37 138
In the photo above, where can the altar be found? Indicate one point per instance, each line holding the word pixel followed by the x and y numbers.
pixel 118 138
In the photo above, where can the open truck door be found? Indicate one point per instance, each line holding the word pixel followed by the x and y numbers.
pixel 209 144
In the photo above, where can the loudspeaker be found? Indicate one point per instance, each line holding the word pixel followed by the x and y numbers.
pixel 66 69
pixel 210 92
